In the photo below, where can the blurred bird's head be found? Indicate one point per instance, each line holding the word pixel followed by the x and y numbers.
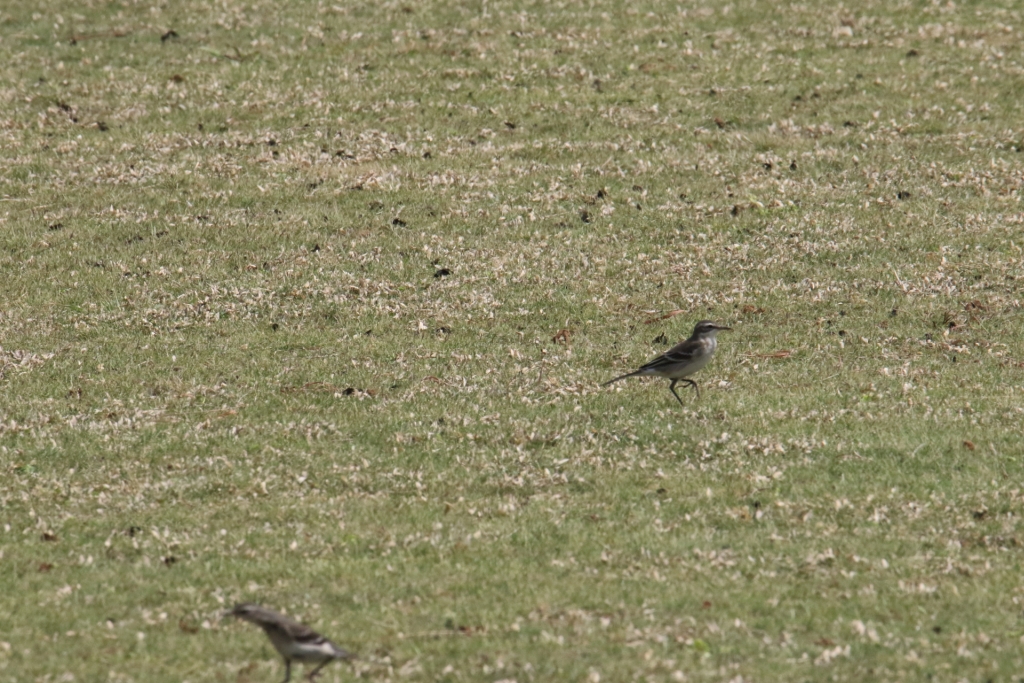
pixel 244 610
pixel 706 328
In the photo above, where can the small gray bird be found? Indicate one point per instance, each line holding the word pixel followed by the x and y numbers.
pixel 683 359
pixel 293 640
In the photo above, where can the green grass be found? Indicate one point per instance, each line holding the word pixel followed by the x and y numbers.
pixel 280 322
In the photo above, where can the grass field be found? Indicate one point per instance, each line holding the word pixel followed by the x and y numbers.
pixel 308 304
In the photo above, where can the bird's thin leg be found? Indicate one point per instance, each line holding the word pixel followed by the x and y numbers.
pixel 287 671
pixel 694 385
pixel 315 671
pixel 672 388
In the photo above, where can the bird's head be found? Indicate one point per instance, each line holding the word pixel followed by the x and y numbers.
pixel 243 610
pixel 706 328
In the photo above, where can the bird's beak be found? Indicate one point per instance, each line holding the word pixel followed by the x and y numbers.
pixel 722 327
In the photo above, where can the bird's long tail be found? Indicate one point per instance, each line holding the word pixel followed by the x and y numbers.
pixel 636 373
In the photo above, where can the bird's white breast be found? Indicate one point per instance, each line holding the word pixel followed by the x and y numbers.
pixel 314 652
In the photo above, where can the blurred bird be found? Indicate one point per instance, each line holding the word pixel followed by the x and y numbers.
pixel 683 359
pixel 293 640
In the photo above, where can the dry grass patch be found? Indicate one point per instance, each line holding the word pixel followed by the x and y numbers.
pixel 310 306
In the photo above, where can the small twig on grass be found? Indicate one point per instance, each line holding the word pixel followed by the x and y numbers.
pixel 783 353
pixel 76 38
pixel 447 633
pixel 237 57
pixel 310 387
pixel 899 281
pixel 670 314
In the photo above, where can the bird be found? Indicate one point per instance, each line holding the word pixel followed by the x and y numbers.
pixel 683 359
pixel 295 641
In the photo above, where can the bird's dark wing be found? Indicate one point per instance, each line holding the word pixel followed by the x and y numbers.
pixel 270 620
pixel 681 353
pixel 300 633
